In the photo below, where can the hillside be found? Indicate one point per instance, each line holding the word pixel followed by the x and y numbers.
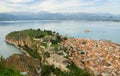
pixel 68 56
pixel 45 46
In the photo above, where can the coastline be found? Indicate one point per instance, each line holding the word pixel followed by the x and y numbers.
pixel 21 49
pixel 94 56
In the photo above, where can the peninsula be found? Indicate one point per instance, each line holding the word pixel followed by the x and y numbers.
pixel 63 56
pixel 45 47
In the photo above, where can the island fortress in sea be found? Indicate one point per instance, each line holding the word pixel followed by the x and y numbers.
pixel 98 57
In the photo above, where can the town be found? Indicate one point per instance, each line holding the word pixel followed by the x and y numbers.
pixel 100 57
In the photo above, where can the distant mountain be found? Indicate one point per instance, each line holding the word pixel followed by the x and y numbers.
pixel 58 16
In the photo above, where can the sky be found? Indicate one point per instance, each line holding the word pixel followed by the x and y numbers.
pixel 61 6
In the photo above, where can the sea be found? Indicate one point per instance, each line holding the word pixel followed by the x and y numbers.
pixel 96 30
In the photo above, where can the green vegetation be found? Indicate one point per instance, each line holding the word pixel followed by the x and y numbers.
pixel 54 38
pixel 31 33
pixel 13 34
pixel 48 32
pixel 76 71
pixel 46 54
pixel 32 53
pixel 47 70
pixel 43 44
pixel 9 70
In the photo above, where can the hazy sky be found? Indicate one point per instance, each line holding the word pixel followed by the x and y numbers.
pixel 99 6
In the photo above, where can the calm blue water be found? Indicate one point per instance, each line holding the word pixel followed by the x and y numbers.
pixel 99 30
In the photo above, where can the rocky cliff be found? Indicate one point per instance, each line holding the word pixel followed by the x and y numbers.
pixel 26 65
pixel 44 46
pixel 20 39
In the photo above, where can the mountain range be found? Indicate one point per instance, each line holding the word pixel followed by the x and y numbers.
pixel 58 16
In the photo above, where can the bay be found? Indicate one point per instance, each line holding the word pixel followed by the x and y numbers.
pixel 98 30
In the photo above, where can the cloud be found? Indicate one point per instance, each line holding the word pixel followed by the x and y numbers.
pixel 54 6
pixel 61 6
pixel 19 1
pixel 5 8
pixel 104 6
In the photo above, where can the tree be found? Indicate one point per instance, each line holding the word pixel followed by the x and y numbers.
pixel 7 70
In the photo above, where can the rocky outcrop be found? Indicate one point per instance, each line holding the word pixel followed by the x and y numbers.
pixel 20 41
pixel 23 42
pixel 24 64
pixel 42 45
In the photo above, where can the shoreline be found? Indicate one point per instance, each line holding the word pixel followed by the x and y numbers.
pixel 24 52
pixel 93 56
pixel 21 49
